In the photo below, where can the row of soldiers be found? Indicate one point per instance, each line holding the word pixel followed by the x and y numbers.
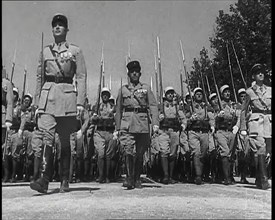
pixel 137 132
pixel 194 145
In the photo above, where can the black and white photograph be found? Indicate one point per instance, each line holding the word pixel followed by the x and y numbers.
pixel 143 109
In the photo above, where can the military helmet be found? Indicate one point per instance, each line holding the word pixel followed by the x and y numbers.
pixel 105 89
pixel 224 87
pixel 241 90
pixel 61 18
pixel 112 98
pixel 168 88
pixel 212 95
pixel 15 90
pixel 28 95
pixel 197 90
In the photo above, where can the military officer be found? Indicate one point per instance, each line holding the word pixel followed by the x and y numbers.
pixel 257 123
pixel 58 101
pixel 201 122
pixel 135 104
pixel 172 121
pixel 226 130
pixel 7 112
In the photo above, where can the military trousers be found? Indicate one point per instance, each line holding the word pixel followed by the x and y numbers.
pixel 225 141
pixel 168 141
pixel 199 143
pixel 105 145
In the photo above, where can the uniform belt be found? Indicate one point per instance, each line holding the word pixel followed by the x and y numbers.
pixel 200 130
pixel 56 79
pixel 137 110
pixel 265 112
pixel 104 128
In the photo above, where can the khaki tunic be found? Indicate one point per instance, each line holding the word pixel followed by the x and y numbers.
pixel 7 101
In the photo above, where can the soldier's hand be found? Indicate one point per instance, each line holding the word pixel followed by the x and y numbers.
pixel 161 117
pixel 243 133
pixel 20 133
pixel 8 125
pixel 79 134
pixel 115 135
pixel 80 109
pixel 235 129
pixel 155 128
pixel 194 116
pixel 221 113
pixel 212 129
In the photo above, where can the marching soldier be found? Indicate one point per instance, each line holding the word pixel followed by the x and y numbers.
pixel 58 101
pixel 135 104
pixel 226 130
pixel 26 128
pixel 15 140
pixel 172 121
pixel 201 122
pixel 257 124
pixel 7 112
pixel 104 142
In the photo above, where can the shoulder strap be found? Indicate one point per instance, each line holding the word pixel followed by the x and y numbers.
pixel 57 63
pixel 262 102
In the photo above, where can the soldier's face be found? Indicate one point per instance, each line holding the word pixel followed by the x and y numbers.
pixel 59 29
pixel 27 101
pixel 105 96
pixel 226 94
pixel 259 76
pixel 169 95
pixel 198 96
pixel 134 76
pixel 242 97
pixel 214 101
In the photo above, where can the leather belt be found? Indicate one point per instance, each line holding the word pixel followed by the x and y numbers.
pixel 136 110
pixel 103 128
pixel 56 79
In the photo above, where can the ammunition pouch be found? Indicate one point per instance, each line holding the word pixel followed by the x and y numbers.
pixel 173 123
pixel 106 124
pixel 225 124
pixel 199 126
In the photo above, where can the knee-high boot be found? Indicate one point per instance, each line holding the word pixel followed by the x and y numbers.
pixel 87 167
pixel 165 168
pixel 225 168
pixel 100 165
pixel 262 170
pixel 65 162
pixel 213 166
pixel 36 168
pixel 41 184
pixel 79 169
pixel 198 169
pixel 6 169
pixel 14 170
pixel 130 171
pixel 243 168
pixel 172 162
pixel 108 167
pixel 138 168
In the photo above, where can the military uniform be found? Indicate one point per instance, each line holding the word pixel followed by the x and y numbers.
pixel 7 112
pixel 104 142
pixel 199 124
pixel 258 125
pixel 225 124
pixel 134 105
pixel 57 99
pixel 169 136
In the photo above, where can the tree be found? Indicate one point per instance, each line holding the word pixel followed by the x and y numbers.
pixel 247 28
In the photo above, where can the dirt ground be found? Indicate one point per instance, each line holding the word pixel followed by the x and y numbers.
pixel 154 201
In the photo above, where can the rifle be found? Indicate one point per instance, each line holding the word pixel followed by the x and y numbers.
pixel 42 61
pixel 207 83
pixel 181 85
pixel 202 82
pixel 160 79
pixel 13 64
pixel 231 74
pixel 239 65
pixel 100 81
pixel 216 87
pixel 187 79
pixel 24 84
pixel 157 83
pixel 5 145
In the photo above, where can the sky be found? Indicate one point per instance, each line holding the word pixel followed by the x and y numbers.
pixel 118 25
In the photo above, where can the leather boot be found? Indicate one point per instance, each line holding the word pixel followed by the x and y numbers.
pixel 243 169
pixel 130 171
pixel 257 173
pixel 41 185
pixel 263 174
pixel 65 162
pixel 198 169
pixel 138 167
pixel 213 166
pixel 36 168
pixel 225 168
pixel 171 170
pixel 100 165
pixel 14 170
pixel 108 166
pixel 87 167
pixel 164 164
pixel 72 169
pixel 79 169
pixel 64 186
pixel 6 170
